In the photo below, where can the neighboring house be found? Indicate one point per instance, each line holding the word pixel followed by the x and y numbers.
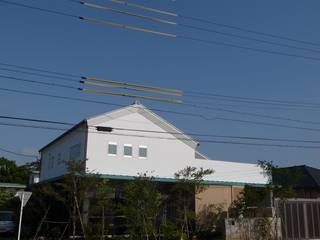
pixel 131 140
pixel 304 179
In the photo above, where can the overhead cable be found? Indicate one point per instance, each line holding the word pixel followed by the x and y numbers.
pixel 17 153
pixel 176 138
pixel 190 114
pixel 166 34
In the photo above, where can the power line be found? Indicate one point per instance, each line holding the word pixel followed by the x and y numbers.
pixel 212 42
pixel 38 82
pixel 126 3
pixel 249 30
pixel 151 98
pixel 246 38
pixel 39 9
pixel 165 34
pixel 16 153
pixel 189 93
pixel 250 114
pixel 109 9
pixel 176 138
pixel 105 8
pixel 165 100
pixel 128 86
pixel 39 74
pixel 39 69
pixel 258 101
pixel 190 114
pixel 210 96
pixel 159 132
pixel 197 19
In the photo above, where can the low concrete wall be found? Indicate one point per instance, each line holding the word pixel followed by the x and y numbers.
pixel 253 228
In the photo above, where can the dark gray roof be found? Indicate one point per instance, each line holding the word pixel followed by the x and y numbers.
pixel 307 177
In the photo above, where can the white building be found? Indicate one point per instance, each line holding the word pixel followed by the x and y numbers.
pixel 123 143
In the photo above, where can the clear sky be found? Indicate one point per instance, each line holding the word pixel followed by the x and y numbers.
pixel 63 44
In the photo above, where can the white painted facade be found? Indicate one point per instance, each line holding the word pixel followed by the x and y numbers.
pixel 168 150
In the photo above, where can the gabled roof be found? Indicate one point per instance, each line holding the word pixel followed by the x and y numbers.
pixel 83 123
pixel 151 116
pixel 307 177
pixel 134 108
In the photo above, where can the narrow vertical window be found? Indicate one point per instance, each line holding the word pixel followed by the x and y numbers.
pixel 112 148
pixel 143 151
pixel 59 160
pixel 127 150
pixel 75 152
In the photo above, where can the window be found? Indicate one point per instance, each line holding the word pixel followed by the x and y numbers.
pixel 112 148
pixel 50 161
pixel 75 151
pixel 143 151
pixel 59 160
pixel 127 150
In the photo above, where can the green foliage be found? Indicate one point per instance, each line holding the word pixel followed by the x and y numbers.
pixel 189 182
pixel 11 173
pixel 281 181
pixel 62 201
pixel 142 207
pixel 5 197
pixel 210 222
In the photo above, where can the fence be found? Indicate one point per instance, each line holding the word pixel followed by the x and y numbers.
pixel 300 218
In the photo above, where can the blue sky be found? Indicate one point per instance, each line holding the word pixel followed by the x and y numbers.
pixel 41 40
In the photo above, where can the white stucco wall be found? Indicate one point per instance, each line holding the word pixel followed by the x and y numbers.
pixel 165 153
pixel 164 156
pixel 62 147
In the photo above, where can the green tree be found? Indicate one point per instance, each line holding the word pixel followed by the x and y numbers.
pixel 11 173
pixel 5 197
pixel 142 207
pixel 189 183
pixel 63 201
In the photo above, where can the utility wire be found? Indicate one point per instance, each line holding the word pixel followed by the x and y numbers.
pixel 189 93
pixel 246 38
pixel 17 154
pixel 213 42
pixel 39 9
pixel 197 19
pixel 127 86
pixel 190 114
pixel 140 6
pixel 39 70
pixel 39 74
pixel 158 132
pixel 38 82
pixel 249 114
pixel 259 101
pixel 164 34
pixel 210 96
pixel 106 8
pixel 176 101
pixel 176 138
pixel 249 30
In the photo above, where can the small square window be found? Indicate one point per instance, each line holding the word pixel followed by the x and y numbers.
pixel 112 149
pixel 127 150
pixel 143 151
